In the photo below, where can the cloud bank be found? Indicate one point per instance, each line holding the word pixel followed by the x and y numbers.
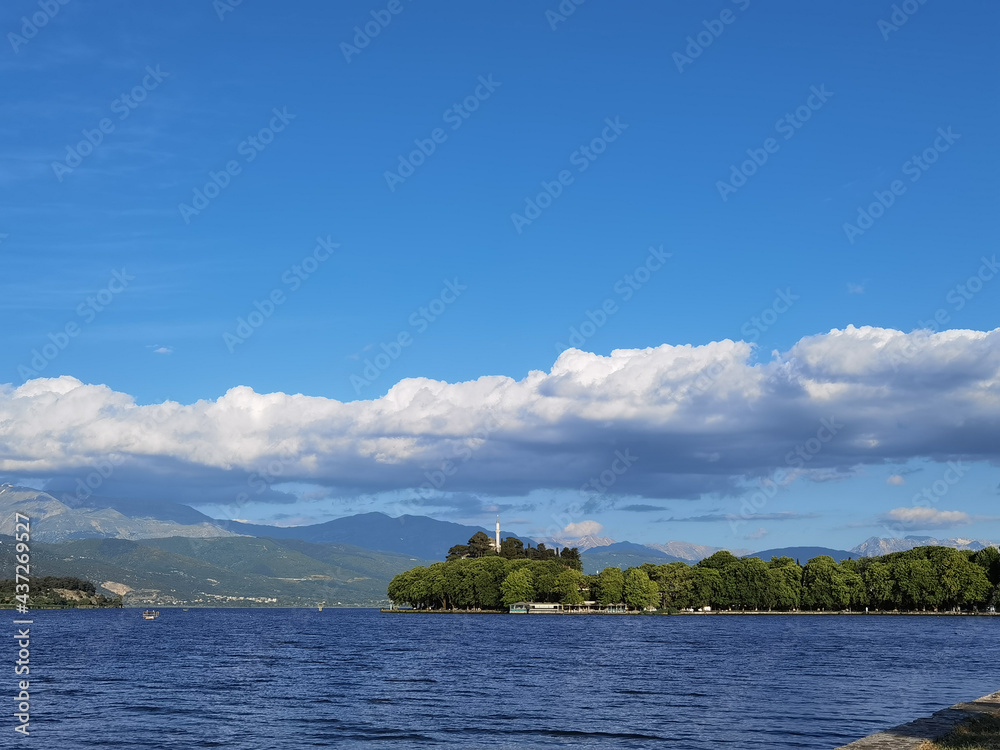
pixel 927 518
pixel 582 529
pixel 697 419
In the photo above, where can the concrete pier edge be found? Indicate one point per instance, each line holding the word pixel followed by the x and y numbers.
pixel 912 735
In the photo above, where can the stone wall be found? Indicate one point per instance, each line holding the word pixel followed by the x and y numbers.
pixel 911 736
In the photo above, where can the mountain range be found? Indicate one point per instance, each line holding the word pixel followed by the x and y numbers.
pixel 116 518
pixel 624 555
pixel 165 551
pixel 57 521
pixel 688 551
pixel 582 543
pixel 419 536
pixel 876 546
pixel 220 571
pixel 679 550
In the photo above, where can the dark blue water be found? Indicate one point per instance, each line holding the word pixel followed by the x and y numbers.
pixel 357 678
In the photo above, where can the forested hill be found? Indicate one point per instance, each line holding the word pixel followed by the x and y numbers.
pixel 54 592
pixel 921 579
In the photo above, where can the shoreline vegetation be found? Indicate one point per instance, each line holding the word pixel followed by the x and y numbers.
pixel 980 733
pixel 57 592
pixel 479 578
pixel 680 613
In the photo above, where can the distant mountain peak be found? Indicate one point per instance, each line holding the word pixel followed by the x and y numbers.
pixel 875 546
pixel 694 552
pixel 422 537
pixel 100 519
pixel 582 543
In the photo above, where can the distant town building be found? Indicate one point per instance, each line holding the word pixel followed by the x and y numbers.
pixel 524 608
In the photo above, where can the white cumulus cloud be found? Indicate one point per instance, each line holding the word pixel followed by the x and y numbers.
pixel 696 419
pixel 927 518
pixel 582 529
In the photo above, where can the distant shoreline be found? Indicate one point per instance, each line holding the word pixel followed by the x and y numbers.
pixel 724 613
pixel 386 610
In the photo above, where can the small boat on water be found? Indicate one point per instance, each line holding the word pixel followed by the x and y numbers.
pixel 150 614
pixel 321 607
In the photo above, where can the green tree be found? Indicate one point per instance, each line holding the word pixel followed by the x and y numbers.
pixel 512 548
pixel 786 583
pixel 458 584
pixel 823 588
pixel 852 586
pixel 719 560
pixel 961 581
pixel 410 588
pixel 676 584
pixel 636 589
pixel 569 585
pixel 517 587
pixel 541 552
pixel 571 556
pixel 480 545
pixel 916 581
pixel 400 587
pixel 749 583
pixel 487 576
pixel 435 588
pixel 989 560
pixel 706 588
pixel 977 588
pixel 654 597
pixel 610 586
pixel 544 575
pixel 878 584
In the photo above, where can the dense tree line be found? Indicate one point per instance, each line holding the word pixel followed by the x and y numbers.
pixel 46 583
pixel 922 579
pixel 925 578
pixel 45 591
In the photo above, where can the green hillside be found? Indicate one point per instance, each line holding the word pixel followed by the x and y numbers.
pixel 623 555
pixel 228 571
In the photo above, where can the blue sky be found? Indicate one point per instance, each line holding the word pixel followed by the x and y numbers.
pixel 623 112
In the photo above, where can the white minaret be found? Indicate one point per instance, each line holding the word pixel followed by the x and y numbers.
pixel 497 543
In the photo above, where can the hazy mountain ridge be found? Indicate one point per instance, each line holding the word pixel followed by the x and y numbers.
pixel 583 543
pixel 875 546
pixel 115 518
pixel 55 521
pixel 696 552
pixel 676 549
pixel 419 536
pixel 624 555
pixel 234 570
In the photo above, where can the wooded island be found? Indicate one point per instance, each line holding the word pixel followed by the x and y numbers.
pixel 477 577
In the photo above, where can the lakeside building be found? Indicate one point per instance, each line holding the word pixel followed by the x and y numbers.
pixel 532 608
pixel 548 608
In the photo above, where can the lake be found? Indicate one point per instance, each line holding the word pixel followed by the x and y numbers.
pixel 260 678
